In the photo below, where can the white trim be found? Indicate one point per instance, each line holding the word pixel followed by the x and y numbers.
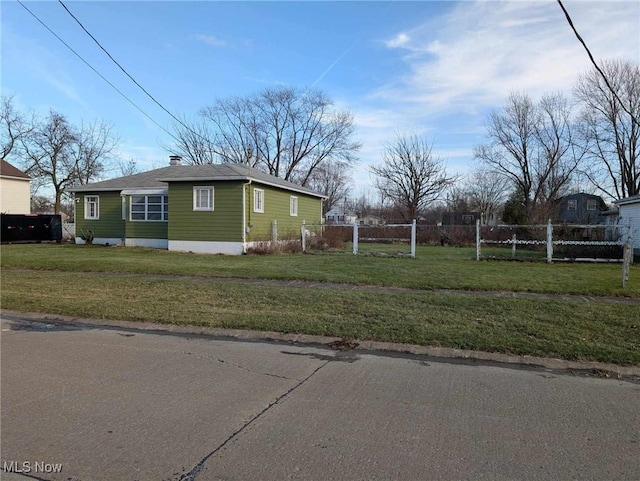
pixel 112 241
pixel 138 242
pixel 293 212
pixel 206 247
pixel 258 193
pixel 195 198
pixel 145 192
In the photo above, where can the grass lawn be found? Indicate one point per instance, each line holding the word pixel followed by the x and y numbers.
pixel 65 282
pixel 433 268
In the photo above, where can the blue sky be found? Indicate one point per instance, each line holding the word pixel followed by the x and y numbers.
pixel 433 68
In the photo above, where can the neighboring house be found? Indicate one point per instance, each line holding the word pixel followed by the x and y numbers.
pixel 214 209
pixel 371 220
pixel 15 197
pixel 629 214
pixel 581 209
pixel 340 216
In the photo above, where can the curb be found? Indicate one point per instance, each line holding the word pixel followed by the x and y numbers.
pixel 597 369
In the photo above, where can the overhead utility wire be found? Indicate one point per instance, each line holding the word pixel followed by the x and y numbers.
pixel 98 73
pixel 122 68
pixel 604 77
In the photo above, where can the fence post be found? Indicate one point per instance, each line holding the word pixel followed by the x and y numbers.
pixel 627 255
pixel 274 231
pixel 513 246
pixel 355 238
pixel 303 231
pixel 413 239
pixel 477 239
pixel 549 242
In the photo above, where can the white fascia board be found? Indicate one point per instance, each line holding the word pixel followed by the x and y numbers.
pixel 143 191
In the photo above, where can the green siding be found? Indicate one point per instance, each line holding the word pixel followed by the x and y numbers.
pixel 276 207
pixel 223 224
pixel 110 223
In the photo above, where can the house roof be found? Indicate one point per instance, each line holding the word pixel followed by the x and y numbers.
pixel 157 179
pixel 8 170
pixel 629 200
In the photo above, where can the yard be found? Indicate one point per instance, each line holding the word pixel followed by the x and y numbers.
pixel 437 299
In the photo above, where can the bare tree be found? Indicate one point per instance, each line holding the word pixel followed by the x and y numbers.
pixel 411 175
pixel 13 127
pixel 59 155
pixel 282 131
pixel 194 142
pixel 610 131
pixel 533 145
pixel 94 146
pixel 486 192
pixel 128 168
pixel 331 179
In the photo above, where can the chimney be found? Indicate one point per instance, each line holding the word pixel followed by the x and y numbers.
pixel 175 160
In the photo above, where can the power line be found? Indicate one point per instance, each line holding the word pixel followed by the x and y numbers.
pixel 97 73
pixel 604 77
pixel 122 68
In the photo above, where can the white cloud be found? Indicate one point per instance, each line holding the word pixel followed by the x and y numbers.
pixel 211 40
pixel 398 41
pixel 480 51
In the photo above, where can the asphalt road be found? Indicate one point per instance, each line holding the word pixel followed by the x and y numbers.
pixel 116 404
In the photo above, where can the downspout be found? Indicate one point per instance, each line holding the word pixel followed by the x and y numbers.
pixel 246 216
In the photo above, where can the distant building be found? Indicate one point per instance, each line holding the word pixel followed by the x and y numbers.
pixel 15 195
pixel 340 216
pixel 581 209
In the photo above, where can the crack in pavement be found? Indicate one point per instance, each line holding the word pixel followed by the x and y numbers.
pixel 191 475
pixel 239 366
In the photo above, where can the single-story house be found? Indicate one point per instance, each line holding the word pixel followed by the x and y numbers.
pixel 214 209
pixel 629 214
pixel 581 208
pixel 15 196
pixel 340 216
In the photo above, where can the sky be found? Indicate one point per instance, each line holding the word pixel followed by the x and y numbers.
pixel 427 68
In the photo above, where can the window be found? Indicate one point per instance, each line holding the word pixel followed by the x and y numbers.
pixel 91 207
pixel 293 206
pixel 203 198
pixel 572 204
pixel 591 204
pixel 149 207
pixel 258 200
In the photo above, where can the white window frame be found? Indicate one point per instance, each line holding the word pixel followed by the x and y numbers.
pixel 258 201
pixel 197 205
pixel 572 204
pixel 164 209
pixel 293 206
pixel 592 204
pixel 87 202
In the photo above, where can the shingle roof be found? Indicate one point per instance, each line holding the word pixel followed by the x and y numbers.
pixel 8 170
pixel 182 173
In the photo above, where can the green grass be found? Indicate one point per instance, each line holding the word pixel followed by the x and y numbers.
pixel 73 280
pixel 608 332
pixel 433 268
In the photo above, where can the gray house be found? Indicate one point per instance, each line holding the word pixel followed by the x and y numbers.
pixel 581 209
